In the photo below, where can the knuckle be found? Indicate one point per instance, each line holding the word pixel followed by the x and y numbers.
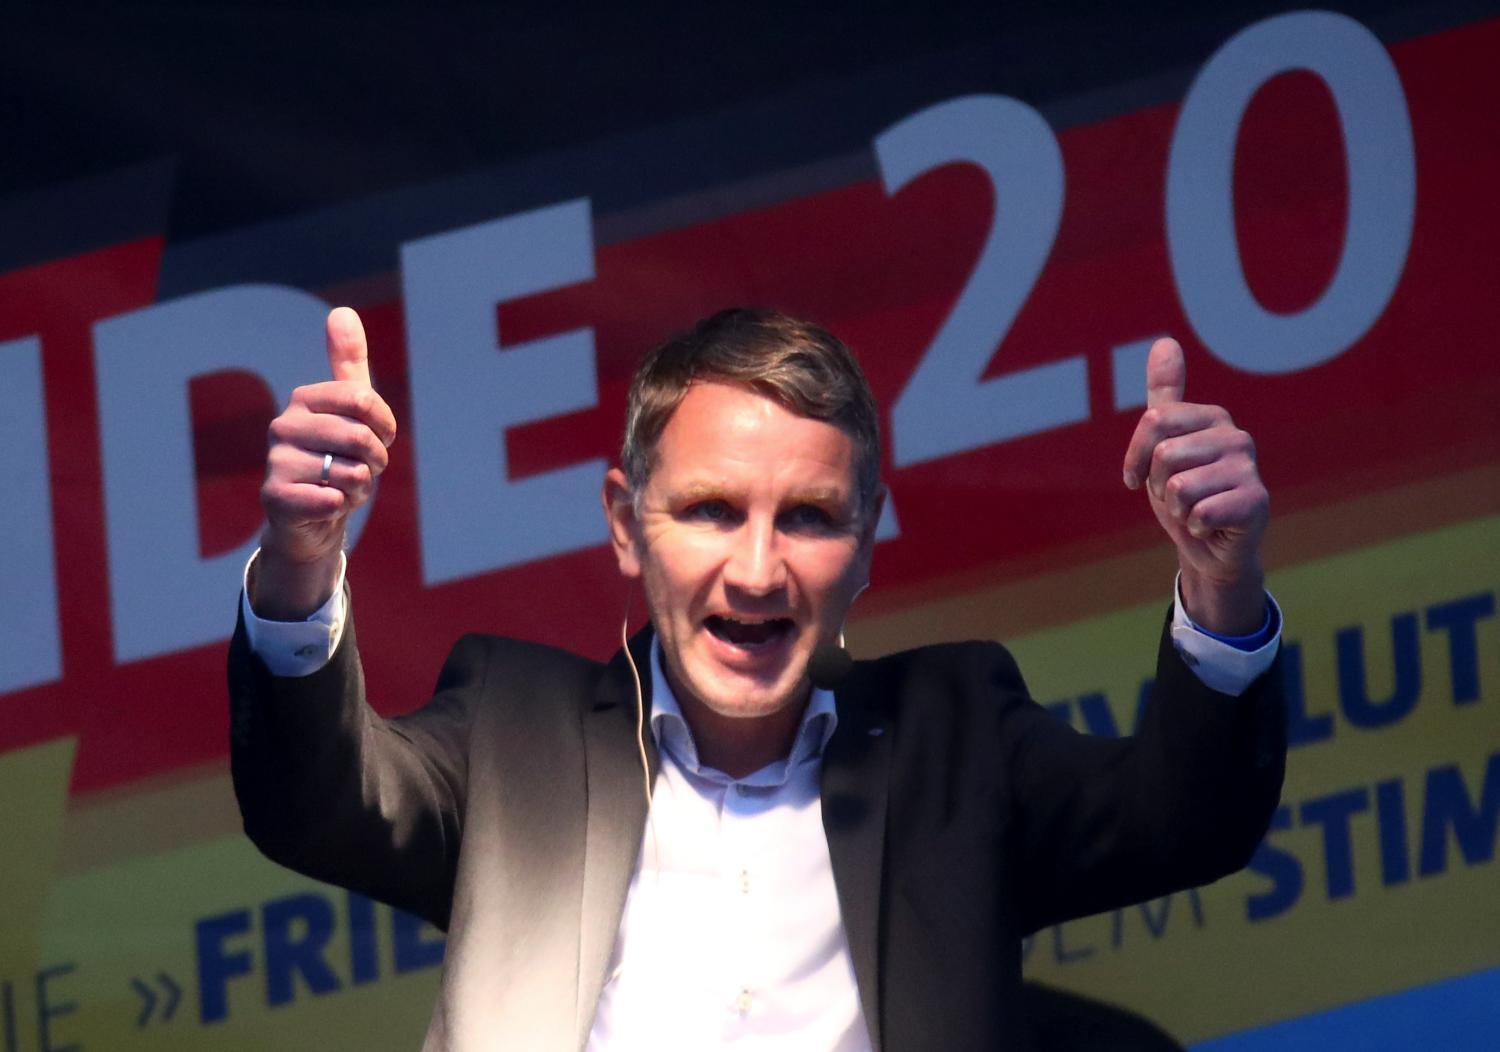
pixel 1161 457
pixel 278 505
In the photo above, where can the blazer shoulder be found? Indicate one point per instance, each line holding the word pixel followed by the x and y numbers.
pixel 956 660
pixel 945 675
pixel 500 665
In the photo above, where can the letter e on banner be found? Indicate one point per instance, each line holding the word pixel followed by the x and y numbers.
pixel 466 391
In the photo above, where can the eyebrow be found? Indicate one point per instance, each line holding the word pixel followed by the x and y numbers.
pixel 694 491
pixel 818 495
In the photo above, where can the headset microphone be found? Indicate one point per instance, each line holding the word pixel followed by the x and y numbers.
pixel 828 666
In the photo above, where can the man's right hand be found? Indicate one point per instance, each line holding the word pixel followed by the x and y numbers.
pixel 305 515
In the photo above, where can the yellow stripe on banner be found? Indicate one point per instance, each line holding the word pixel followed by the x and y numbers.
pixel 213 946
pixel 1385 876
pixel 33 802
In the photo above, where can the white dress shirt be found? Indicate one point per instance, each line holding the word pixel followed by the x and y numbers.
pixel 732 936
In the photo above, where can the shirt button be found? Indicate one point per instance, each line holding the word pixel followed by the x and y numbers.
pixel 745 881
pixel 743 1002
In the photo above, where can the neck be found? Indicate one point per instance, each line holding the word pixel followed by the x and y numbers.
pixel 739 746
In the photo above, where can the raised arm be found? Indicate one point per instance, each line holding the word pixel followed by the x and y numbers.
pixel 327 448
pixel 327 786
pixel 1187 799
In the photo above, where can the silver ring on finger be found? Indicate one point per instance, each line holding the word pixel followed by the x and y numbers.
pixel 327 468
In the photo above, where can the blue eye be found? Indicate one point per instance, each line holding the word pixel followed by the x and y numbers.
pixel 709 511
pixel 809 515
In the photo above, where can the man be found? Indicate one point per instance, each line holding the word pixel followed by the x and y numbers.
pixel 845 869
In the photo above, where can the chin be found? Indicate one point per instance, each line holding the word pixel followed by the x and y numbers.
pixel 732 697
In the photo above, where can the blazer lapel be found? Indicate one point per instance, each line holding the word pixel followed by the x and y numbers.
pixel 616 817
pixel 855 785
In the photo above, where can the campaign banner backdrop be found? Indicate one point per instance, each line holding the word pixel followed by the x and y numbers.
pixel 1309 209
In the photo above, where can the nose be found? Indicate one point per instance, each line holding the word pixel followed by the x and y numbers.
pixel 755 565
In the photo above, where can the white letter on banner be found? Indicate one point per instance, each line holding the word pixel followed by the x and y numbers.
pixel 30 652
pixel 948 406
pixel 163 595
pixel 1381 167
pixel 466 391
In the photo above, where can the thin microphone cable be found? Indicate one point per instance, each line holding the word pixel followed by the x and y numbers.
pixel 640 702
pixel 640 744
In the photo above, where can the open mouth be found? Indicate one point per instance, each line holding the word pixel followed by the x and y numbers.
pixel 749 633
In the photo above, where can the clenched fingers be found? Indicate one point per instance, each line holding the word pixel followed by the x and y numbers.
pixel 301 467
pixel 1181 453
pixel 320 433
pixel 1161 422
pixel 295 490
pixel 1187 495
pixel 1242 509
pixel 347 398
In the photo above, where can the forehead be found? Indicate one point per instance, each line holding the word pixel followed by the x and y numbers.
pixel 724 432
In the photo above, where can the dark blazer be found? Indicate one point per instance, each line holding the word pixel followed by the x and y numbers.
pixel 960 816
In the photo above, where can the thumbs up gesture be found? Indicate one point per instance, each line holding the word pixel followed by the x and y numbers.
pixel 1201 477
pixel 326 450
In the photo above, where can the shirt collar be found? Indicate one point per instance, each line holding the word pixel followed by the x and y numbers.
pixel 675 737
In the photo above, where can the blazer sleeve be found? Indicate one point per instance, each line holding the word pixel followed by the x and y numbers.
pixel 331 789
pixel 1102 823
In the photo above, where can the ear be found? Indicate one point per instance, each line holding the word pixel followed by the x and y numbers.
pixel 619 513
pixel 867 535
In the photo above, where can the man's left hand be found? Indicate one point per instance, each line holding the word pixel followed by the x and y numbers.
pixel 1200 474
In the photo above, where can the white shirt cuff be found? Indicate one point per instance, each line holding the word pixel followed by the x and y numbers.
pixel 1218 665
pixel 296 648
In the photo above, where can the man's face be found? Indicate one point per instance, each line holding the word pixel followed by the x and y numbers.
pixel 750 544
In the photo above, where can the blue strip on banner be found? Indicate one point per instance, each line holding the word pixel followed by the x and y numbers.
pixel 1456 1015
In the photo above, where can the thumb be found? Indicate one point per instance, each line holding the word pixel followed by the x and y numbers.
pixel 348 353
pixel 1166 372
